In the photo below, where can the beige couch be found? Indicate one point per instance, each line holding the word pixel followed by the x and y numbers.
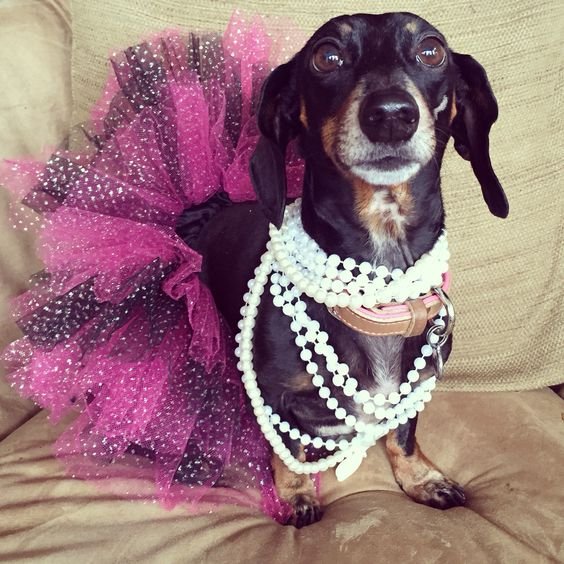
pixel 506 446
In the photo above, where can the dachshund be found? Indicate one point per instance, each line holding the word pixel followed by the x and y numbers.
pixel 371 101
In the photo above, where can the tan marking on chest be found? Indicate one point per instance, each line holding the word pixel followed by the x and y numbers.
pixel 301 382
pixel 383 210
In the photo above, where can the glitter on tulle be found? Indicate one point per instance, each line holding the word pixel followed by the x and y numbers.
pixel 118 326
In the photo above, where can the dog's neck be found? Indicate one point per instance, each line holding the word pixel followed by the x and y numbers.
pixel 330 215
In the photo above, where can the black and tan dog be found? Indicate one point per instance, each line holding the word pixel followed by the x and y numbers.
pixel 372 100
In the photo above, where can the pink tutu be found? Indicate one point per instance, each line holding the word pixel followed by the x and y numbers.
pixel 118 327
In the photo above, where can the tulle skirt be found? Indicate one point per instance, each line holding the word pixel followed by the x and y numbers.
pixel 118 328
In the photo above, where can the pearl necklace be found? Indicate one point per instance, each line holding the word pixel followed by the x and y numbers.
pixel 296 265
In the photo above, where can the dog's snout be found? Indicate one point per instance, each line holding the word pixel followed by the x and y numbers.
pixel 389 116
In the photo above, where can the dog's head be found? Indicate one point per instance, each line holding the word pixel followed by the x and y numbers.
pixel 375 98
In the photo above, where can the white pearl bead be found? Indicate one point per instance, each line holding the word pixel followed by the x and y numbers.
pixel 311 289
pixel 419 363
pixel 324 392
pixel 433 338
pixel 343 370
pixel 382 271
pixel 320 296
pixel 349 263
pixel 284 427
pixel 305 439
pixel 405 388
pixel 362 396
pixel 346 276
pixel 305 354
pixel 343 300
pixel 343 444
pixel 379 399
pixel 362 280
pixel 365 267
pixel 338 380
pixel 350 420
pixel 317 442
pixel 426 350
pixel 294 434
pixel 393 424
pixel 331 272
pixel 330 444
pixel 353 288
pixel 288 310
pixel 356 302
pixel 394 397
pixel 413 375
pixel 333 260
pixel 380 413
pixel 360 426
pixel 320 349
pixel 317 380
pixel 332 403
pixel 340 413
pixel 369 408
pixel 312 368
pixel 351 383
pixel 332 299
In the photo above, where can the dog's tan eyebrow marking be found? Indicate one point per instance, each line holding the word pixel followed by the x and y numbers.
pixel 453 110
pixel 345 28
pixel 411 26
pixel 303 114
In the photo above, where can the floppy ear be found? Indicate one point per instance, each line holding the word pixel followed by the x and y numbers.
pixel 476 111
pixel 278 122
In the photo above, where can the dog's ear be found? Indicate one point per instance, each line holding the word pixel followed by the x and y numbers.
pixel 476 111
pixel 278 122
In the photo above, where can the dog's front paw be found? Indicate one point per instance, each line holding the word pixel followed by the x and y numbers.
pixel 306 510
pixel 440 493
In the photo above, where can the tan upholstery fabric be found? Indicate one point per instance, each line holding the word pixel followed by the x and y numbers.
pixel 506 448
pixel 35 109
pixel 507 274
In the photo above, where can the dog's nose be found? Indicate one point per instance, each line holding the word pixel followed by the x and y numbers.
pixel 389 116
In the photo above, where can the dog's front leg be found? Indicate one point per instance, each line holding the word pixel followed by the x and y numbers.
pixel 416 475
pixel 299 491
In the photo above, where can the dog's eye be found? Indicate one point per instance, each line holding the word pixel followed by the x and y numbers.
pixel 431 52
pixel 327 57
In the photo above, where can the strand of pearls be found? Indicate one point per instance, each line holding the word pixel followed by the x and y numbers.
pixel 289 277
pixel 342 282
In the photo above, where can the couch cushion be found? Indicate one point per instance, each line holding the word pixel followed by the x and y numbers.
pixel 507 449
pixel 506 272
pixel 35 108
